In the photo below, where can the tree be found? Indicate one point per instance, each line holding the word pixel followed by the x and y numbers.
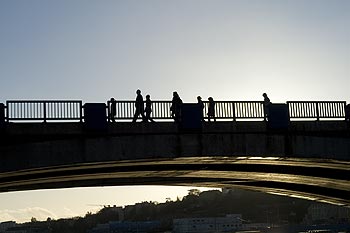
pixel 194 192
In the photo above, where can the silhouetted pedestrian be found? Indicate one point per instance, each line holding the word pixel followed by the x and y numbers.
pixel 175 107
pixel 139 108
pixel 211 109
pixel 267 104
pixel 113 109
pixel 201 106
pixel 148 109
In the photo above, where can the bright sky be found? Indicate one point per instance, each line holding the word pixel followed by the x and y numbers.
pixel 229 49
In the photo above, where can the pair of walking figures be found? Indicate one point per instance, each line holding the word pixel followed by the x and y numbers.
pixel 145 112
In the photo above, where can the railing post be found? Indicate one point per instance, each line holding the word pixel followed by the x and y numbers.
pixel 234 111
pixel 7 111
pixel 81 111
pixel 44 112
pixel 109 115
pixel 317 112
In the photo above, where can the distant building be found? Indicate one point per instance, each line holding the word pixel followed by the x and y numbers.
pixel 5 225
pixel 319 213
pixel 100 228
pixel 230 223
pixel 39 227
pixel 126 227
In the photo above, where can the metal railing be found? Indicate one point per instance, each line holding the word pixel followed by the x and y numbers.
pixel 223 110
pixel 125 110
pixel 316 109
pixel 44 110
pixel 72 110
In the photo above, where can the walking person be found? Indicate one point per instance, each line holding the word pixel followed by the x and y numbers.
pixel 113 109
pixel 175 107
pixel 139 108
pixel 201 106
pixel 211 109
pixel 148 109
pixel 267 104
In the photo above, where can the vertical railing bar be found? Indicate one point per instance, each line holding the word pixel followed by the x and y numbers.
pixel 31 111
pixel 161 112
pixel 336 112
pixel 50 110
pixel 233 111
pixel 65 110
pixel 228 111
pixel 240 110
pixel 217 110
pixel 247 109
pixel 25 110
pixel 60 109
pixel 253 108
pixel 223 107
pixel 313 108
pixel 308 110
pixel 117 109
pixel 243 112
pixel 70 114
pixel 121 110
pixel 20 110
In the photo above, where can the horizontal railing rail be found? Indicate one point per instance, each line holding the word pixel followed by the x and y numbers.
pixel 44 110
pixel 316 109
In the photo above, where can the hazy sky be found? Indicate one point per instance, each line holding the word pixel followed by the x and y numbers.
pixel 228 49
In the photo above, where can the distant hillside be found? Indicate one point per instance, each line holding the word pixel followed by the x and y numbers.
pixel 254 207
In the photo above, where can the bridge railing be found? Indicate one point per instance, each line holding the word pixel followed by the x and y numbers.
pixel 237 109
pixel 223 110
pixel 72 110
pixel 316 109
pixel 44 110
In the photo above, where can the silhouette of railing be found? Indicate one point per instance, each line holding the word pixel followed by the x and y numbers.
pixel 223 110
pixel 316 109
pixel 72 110
pixel 44 110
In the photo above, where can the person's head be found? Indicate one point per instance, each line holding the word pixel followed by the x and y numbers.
pixel 264 94
pixel 112 99
pixel 138 91
pixel 199 98
pixel 148 96
pixel 175 94
pixel 210 99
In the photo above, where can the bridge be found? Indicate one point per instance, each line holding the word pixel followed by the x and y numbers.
pixel 301 149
